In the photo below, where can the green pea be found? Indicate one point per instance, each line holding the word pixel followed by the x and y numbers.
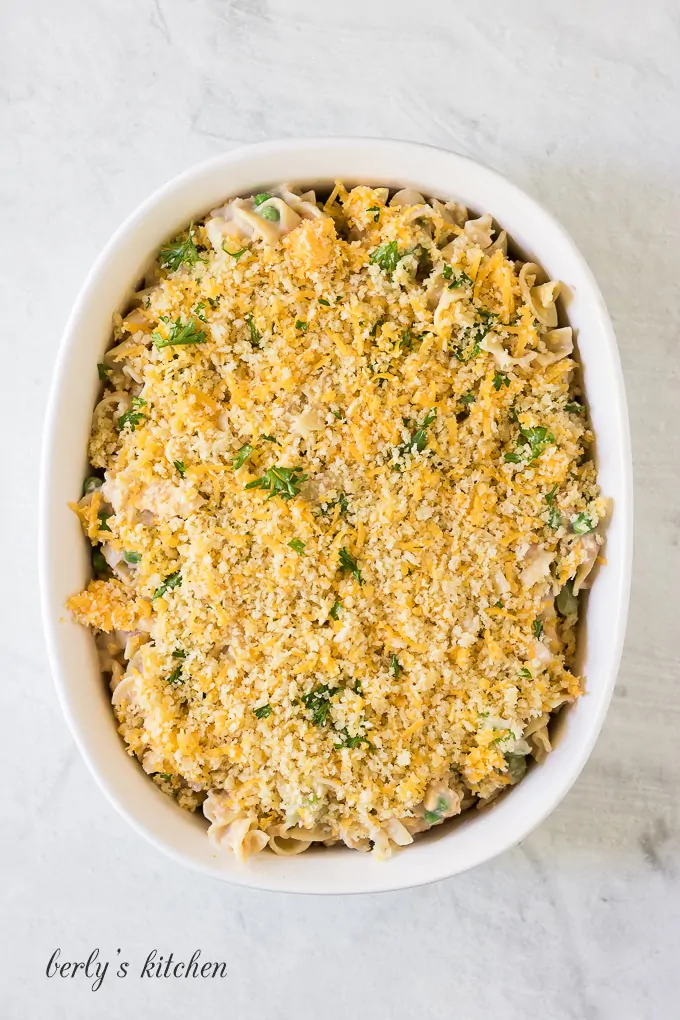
pixel 263 196
pixel 270 212
pixel 90 484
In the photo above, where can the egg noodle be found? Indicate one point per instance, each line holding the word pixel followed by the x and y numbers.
pixel 341 509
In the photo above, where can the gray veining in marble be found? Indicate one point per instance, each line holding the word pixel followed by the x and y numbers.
pixel 580 104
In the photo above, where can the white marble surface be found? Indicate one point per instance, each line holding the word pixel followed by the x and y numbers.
pixel 578 102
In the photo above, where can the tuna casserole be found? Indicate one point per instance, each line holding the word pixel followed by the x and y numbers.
pixel 341 507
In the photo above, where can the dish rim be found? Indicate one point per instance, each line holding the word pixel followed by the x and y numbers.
pixel 49 461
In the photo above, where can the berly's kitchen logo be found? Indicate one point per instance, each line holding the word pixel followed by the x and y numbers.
pixel 95 968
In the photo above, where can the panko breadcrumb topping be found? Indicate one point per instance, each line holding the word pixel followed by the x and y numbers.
pixel 341 509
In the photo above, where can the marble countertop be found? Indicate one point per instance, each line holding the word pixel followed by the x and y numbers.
pixel 580 104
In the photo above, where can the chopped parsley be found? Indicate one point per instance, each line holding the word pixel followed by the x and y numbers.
pixel 242 456
pixel 457 279
pixel 279 481
pixel 271 213
pixel 299 324
pixel 297 545
pixel 255 336
pixel 582 524
pixel 181 335
pixel 358 689
pixel 172 581
pixel 163 775
pixel 179 653
pixel 176 678
pixel 554 518
pixel 472 336
pixel 376 326
pixel 131 557
pixel 345 740
pixel 526 673
pixel 500 379
pixel 199 311
pixel 335 611
pixel 179 464
pixel 236 255
pixel 322 301
pixel 387 257
pixel 330 504
pixel 395 666
pixel 337 414
pixel 214 302
pixel 263 712
pixel 530 444
pixel 134 416
pixel 348 563
pixel 467 398
pixel 179 251
pixel 317 701
pixel 269 439
pixel 263 196
pixel 103 371
pixel 573 407
pixel 537 628
pixel 374 209
pixel 418 440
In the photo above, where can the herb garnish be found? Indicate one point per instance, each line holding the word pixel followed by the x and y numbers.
pixel 131 557
pixel 335 611
pixel 181 334
pixel 172 581
pixel 530 444
pixel 263 712
pixel 387 257
pixel 199 310
pixel 236 255
pixel 299 324
pixel 526 673
pixel 176 678
pixel 173 255
pixel 554 519
pixel 573 407
pixel 322 301
pixel 133 417
pixel 297 545
pixel 348 563
pixel 467 398
pixel 179 464
pixel 582 524
pixel 472 336
pixel 269 439
pixel 280 481
pixel 329 505
pixel 395 666
pixel 537 628
pixel 348 741
pixel 242 456
pixel 255 336
pixel 179 653
pixel 418 440
pixel 103 371
pixel 374 209
pixel 317 701
pixel 500 379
